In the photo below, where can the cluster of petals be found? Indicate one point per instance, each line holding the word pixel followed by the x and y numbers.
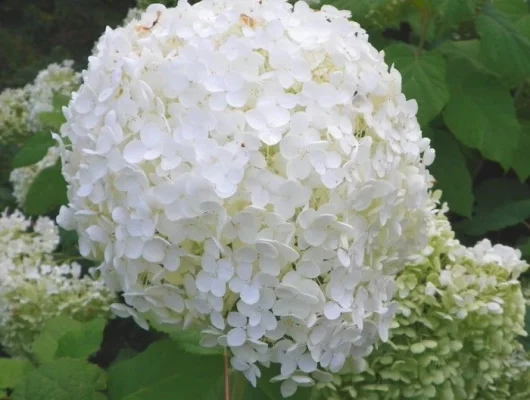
pixel 461 313
pixel 252 168
pixel 36 288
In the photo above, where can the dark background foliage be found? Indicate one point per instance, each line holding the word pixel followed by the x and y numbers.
pixel 34 33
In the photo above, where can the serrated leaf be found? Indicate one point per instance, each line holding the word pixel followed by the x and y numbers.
pixel 521 156
pixel 45 346
pixel 503 48
pixel 451 173
pixel 47 192
pixel 481 113
pixel 424 78
pixel 162 372
pixel 62 380
pixel 12 370
pixel 52 119
pixel 82 341
pixel 453 12
pixel 497 218
pixel 33 150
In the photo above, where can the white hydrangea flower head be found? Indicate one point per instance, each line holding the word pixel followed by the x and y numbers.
pixel 22 178
pixel 34 288
pixel 14 115
pixel 60 78
pixel 456 336
pixel 251 167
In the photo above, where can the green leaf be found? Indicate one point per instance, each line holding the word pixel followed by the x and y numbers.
pixel 453 12
pixel 370 14
pixel 481 113
pixel 500 203
pixel 468 50
pixel 62 380
pixel 521 156
pixel 524 245
pixel 496 192
pixel 523 26
pixel 12 370
pixel 164 372
pixel 189 340
pixel 59 100
pixel 46 344
pixel 47 192
pixel 52 119
pixel 503 48
pixel 424 78
pixel 83 341
pixel 513 9
pixel 451 173
pixel 33 150
pixel 497 218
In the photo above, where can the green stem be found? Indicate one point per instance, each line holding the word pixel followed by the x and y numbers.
pixel 238 386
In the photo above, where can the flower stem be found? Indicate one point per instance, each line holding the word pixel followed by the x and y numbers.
pixel 227 376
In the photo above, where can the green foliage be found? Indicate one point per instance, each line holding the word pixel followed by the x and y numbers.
pixel 12 370
pixel 47 192
pixel 502 46
pixel 64 379
pixel 33 150
pixel 81 342
pixel 452 173
pixel 500 203
pixel 64 337
pixel 34 34
pixel 162 371
pixel 424 78
pixel 480 108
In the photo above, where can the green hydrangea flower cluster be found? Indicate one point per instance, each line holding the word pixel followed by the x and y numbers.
pixel 20 108
pixel 14 124
pixel 35 288
pixel 461 311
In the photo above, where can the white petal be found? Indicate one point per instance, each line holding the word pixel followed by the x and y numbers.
pixel 288 388
pixel 154 250
pixel 134 152
pixel 236 337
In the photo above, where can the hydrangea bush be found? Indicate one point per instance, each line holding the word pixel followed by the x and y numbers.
pixel 14 125
pixel 35 288
pixel 55 79
pixel 251 168
pixel 461 311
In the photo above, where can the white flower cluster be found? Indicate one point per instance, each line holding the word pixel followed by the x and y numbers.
pixel 60 78
pixel 13 115
pixel 456 334
pixel 253 167
pixel 34 288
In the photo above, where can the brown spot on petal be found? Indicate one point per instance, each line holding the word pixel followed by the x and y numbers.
pixel 248 21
